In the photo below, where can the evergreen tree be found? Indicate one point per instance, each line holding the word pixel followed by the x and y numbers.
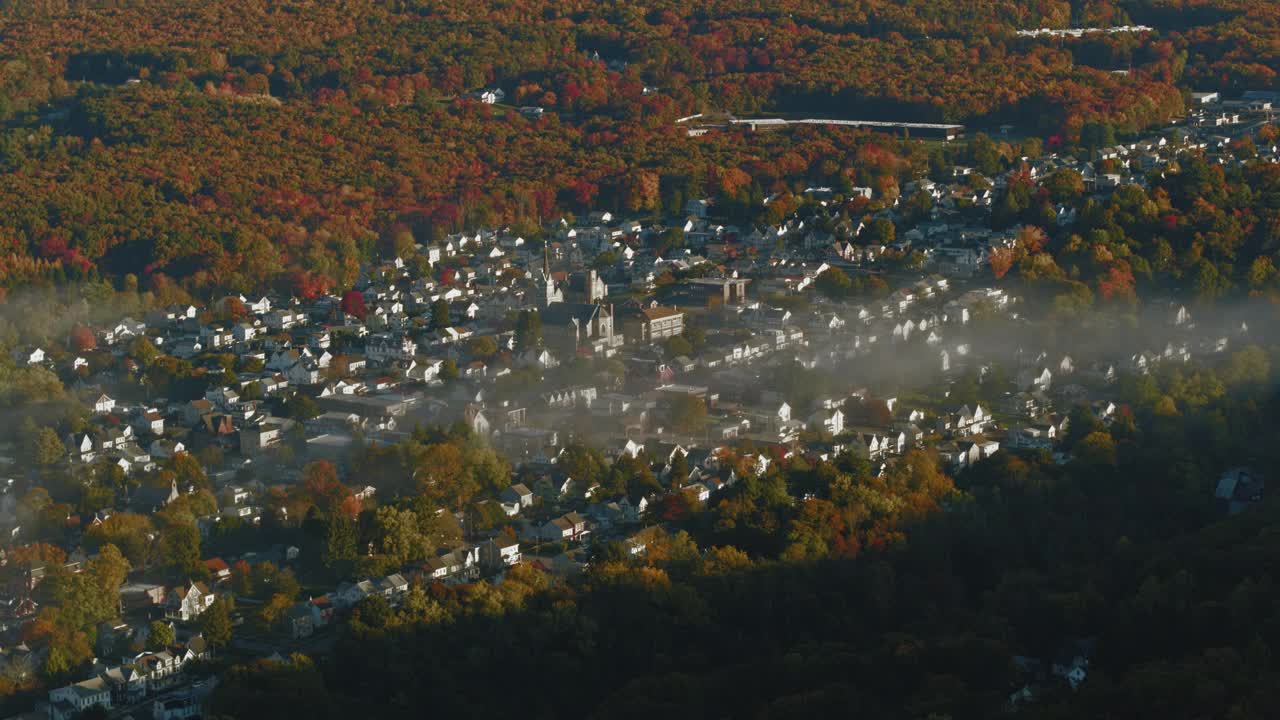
pixel 48 449
pixel 215 623
pixel 528 331
pixel 340 541
pixel 440 314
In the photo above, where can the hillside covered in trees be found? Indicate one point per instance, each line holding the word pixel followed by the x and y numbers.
pixel 253 145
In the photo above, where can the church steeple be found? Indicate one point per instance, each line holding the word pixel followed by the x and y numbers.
pixel 553 294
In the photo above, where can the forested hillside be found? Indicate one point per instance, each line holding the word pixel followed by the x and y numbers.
pixel 239 146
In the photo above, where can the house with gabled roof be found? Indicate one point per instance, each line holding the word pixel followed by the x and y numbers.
pixel 72 700
pixel 569 527
pixel 519 495
pixel 188 602
pixel 104 404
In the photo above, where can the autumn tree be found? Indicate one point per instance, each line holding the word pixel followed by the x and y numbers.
pixel 1065 185
pixel 320 485
pixel 1001 260
pixel 353 304
pixel 272 612
pixel 640 191
pixel 242 578
pixel 130 532
pixel 82 339
pixel 187 471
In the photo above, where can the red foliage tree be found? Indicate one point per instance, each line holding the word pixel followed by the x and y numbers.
pixel 1118 282
pixel 82 339
pixel 351 507
pixel 584 193
pixel 308 285
pixel 233 310
pixel 353 304
pixel 1001 262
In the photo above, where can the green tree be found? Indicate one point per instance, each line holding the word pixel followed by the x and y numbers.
pixel 1262 273
pixel 301 407
pixel 399 538
pixel 448 370
pixel 159 635
pixel 1097 135
pixel 1096 449
pixel 287 584
pixel 108 571
pixel 179 548
pixel 881 231
pixel 1209 282
pixel 679 471
pixel 605 260
pixel 440 314
pixel 28 434
pixel 48 449
pixel 528 331
pixel 1081 422
pixel 142 351
pixel 482 347
pixel 215 623
pixel 677 346
pixel 340 541
pixel 252 391
pixel 272 612
pixel 1249 366
pixel 132 533
pixel 688 414
pixel 265 575
pixel 669 239
pixel 984 154
pixel 834 283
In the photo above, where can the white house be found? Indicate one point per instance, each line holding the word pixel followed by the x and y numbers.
pixel 831 421
pixel 500 553
pixel 970 422
pixel 1037 378
pixel 425 370
pixel 34 356
pixel 71 700
pixel 518 494
pixel 384 348
pixel 187 603
pixel 566 527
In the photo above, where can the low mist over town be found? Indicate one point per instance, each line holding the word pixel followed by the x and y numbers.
pixel 875 358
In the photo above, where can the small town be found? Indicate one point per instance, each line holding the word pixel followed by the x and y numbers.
pixel 258 467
